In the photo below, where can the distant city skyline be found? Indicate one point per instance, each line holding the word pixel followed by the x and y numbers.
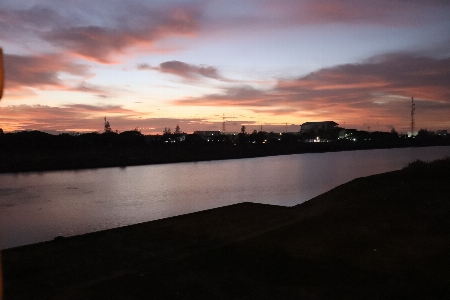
pixel 156 64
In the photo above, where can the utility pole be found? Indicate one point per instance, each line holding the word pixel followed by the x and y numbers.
pixel 413 122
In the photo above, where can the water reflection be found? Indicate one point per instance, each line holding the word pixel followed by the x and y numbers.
pixel 39 206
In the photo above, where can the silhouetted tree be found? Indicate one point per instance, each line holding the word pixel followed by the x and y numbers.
pixel 242 137
pixel 107 126
pixel 167 131
pixel 131 138
pixel 177 130
pixel 423 133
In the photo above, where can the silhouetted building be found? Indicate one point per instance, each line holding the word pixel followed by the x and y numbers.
pixel 207 133
pixel 349 134
pixel 316 126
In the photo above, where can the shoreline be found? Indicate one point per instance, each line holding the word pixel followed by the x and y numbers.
pixel 128 157
pixel 382 236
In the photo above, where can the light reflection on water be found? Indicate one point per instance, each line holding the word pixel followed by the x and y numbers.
pixel 39 206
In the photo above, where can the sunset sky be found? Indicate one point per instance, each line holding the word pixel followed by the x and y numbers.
pixel 155 64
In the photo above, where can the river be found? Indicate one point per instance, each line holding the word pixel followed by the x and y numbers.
pixel 38 206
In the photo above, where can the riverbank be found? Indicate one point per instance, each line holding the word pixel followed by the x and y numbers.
pixel 380 237
pixel 51 159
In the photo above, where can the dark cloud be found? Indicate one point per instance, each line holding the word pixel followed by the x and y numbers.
pixel 382 12
pixel 39 71
pixel 383 77
pixel 30 21
pixel 146 67
pixel 102 43
pixel 399 74
pixel 98 31
pixel 184 70
pixel 99 91
pixel 234 96
pixel 380 87
pixel 188 71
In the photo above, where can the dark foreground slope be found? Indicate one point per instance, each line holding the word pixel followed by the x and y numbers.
pixel 381 237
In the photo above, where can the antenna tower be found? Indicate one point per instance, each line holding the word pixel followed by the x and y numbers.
pixel 413 122
pixel 223 124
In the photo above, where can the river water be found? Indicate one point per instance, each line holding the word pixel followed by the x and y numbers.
pixel 38 206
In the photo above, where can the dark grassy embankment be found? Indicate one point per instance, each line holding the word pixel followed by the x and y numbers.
pixel 385 236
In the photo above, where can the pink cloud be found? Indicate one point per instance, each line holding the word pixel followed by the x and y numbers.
pixel 39 71
pixel 89 118
pixel 378 89
pixel 99 31
pixel 64 118
pixel 234 96
pixel 103 43
pixel 400 74
pixel 276 112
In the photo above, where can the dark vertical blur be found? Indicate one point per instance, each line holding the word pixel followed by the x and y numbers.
pixel 2 80
pixel 2 77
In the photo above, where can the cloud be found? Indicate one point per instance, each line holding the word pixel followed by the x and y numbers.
pixel 378 88
pixel 184 70
pixel 25 73
pixel 72 117
pixel 40 71
pixel 101 43
pixel 399 74
pixel 99 108
pixel 89 118
pixel 277 112
pixel 188 71
pixel 144 67
pixel 97 90
pixel 96 30
pixel 30 21
pixel 383 12
pixel 233 96
pixel 101 32
pixel 250 17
